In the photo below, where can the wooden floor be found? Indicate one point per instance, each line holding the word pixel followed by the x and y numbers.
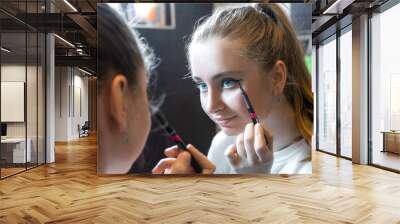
pixel 387 159
pixel 10 171
pixel 5 172
pixel 69 191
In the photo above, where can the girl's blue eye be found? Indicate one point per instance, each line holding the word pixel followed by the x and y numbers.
pixel 229 83
pixel 202 86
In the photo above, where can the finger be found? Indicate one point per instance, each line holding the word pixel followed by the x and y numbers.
pixel 162 165
pixel 263 151
pixel 231 155
pixel 172 151
pixel 182 164
pixel 249 144
pixel 240 149
pixel 207 165
pixel 184 158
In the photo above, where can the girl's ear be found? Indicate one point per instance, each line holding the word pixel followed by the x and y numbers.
pixel 118 105
pixel 279 77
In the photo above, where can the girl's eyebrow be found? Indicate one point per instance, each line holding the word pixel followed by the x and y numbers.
pixel 218 75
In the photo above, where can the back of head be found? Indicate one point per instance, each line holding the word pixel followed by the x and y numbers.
pixel 266 35
pixel 122 108
pixel 119 48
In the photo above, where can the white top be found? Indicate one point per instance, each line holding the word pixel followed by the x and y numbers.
pixel 293 159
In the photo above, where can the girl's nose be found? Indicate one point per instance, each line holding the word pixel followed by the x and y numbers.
pixel 214 102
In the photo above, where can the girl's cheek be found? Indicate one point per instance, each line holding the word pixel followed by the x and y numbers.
pixel 226 97
pixel 232 99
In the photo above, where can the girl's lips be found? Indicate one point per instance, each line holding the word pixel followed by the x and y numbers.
pixel 224 121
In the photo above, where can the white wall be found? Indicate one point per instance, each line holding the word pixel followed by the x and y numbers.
pixel 33 127
pixel 12 73
pixel 81 103
pixel 61 103
pixel 71 93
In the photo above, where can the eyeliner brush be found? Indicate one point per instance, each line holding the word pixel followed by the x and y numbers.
pixel 177 139
pixel 249 107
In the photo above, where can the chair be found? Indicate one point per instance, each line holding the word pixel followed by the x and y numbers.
pixel 84 130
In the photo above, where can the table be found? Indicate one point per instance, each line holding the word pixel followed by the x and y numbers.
pixel 391 141
pixel 13 150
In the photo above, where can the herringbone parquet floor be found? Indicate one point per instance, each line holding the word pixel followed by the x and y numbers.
pixel 69 191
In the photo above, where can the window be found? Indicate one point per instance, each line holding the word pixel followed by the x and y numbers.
pixel 22 79
pixel 346 93
pixel 147 15
pixel 327 96
pixel 385 89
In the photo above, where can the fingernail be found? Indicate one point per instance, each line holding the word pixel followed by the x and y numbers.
pixel 249 125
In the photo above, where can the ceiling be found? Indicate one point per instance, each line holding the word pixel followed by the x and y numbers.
pixel 75 21
pixel 329 15
pixel 76 24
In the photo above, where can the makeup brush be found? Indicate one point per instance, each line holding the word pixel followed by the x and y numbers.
pixel 249 107
pixel 177 139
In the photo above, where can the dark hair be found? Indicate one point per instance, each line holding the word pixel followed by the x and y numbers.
pixel 119 48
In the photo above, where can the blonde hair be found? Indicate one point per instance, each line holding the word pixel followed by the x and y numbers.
pixel 267 36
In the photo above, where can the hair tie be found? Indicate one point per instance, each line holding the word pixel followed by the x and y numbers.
pixel 267 11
